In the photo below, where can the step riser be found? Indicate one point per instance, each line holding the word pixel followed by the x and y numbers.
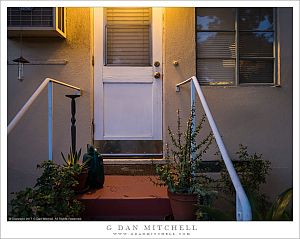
pixel 126 209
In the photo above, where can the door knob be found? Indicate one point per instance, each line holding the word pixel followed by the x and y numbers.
pixel 156 63
pixel 156 75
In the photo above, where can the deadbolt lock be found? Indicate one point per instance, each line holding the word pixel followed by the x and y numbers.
pixel 156 63
pixel 156 75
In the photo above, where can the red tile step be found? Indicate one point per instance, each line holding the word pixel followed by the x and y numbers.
pixel 126 198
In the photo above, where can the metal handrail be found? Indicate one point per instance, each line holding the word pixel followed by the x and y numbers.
pixel 20 114
pixel 243 208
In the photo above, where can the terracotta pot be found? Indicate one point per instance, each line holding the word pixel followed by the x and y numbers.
pixel 81 178
pixel 183 206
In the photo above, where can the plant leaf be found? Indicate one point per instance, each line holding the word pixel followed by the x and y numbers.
pixel 279 206
pixel 64 158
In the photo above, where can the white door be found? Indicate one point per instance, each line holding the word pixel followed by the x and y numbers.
pixel 128 76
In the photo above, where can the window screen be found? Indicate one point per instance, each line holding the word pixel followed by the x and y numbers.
pixel 235 45
pixel 128 36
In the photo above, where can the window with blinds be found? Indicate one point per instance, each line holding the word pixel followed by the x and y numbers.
pixel 128 37
pixel 235 46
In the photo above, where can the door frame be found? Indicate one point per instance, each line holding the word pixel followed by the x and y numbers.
pixel 99 41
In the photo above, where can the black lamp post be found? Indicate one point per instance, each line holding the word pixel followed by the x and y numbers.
pixel 73 121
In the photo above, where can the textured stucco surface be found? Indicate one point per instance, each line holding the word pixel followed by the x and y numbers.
pixel 258 116
pixel 179 45
pixel 27 143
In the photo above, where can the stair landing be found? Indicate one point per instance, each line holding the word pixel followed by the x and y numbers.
pixel 126 198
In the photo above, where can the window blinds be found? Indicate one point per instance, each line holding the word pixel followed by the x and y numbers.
pixel 256 45
pixel 216 47
pixel 235 45
pixel 128 36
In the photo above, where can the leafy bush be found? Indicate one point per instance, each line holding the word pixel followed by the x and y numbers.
pixel 275 211
pixel 51 197
pixel 178 174
pixel 252 171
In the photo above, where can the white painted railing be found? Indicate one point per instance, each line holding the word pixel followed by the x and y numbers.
pixel 243 208
pixel 19 115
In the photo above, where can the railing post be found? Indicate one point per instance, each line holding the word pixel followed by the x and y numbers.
pixel 50 120
pixel 243 207
pixel 238 208
pixel 194 118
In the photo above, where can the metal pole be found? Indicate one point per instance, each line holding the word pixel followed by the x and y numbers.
pixel 50 121
pixel 243 200
pixel 194 118
pixel 32 98
pixel 239 208
pixel 73 121
pixel 24 109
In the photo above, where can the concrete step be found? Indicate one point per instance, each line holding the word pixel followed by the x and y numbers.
pixel 127 198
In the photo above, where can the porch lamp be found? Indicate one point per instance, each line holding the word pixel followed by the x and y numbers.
pixel 21 61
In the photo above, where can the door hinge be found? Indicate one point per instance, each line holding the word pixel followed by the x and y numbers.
pixel 93 60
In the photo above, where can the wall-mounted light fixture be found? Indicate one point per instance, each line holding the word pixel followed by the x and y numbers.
pixel 21 61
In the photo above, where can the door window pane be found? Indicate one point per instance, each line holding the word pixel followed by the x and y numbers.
pixel 128 36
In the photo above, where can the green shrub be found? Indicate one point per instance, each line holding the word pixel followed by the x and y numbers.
pixel 52 196
pixel 251 168
pixel 178 174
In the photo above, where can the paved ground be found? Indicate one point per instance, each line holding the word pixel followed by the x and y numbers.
pixel 116 186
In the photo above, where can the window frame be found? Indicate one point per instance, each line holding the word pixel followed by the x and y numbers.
pixel 276 78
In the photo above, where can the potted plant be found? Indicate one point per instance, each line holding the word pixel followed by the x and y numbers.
pixel 179 174
pixel 81 169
